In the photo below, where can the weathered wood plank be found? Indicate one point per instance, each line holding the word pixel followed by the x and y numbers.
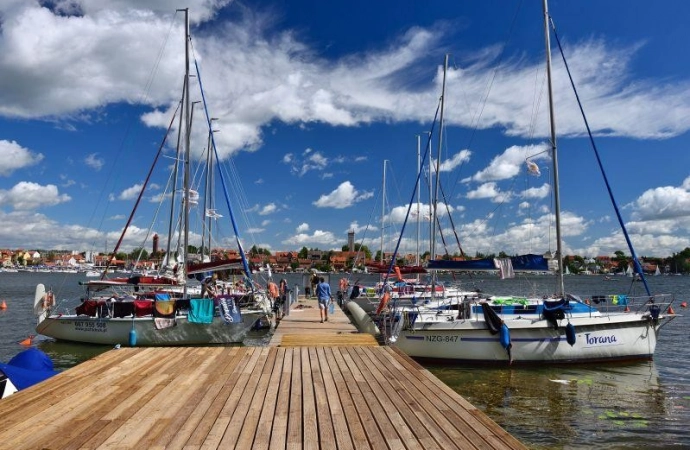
pixel 395 408
pixel 346 422
pixel 326 340
pixel 247 412
pixel 323 419
pixel 280 423
pixel 294 431
pixel 262 437
pixel 310 428
pixel 183 420
pixel 367 419
pixel 423 406
pixel 126 387
pixel 451 403
pixel 243 388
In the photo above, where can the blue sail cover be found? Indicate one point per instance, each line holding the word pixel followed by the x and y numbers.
pixel 536 263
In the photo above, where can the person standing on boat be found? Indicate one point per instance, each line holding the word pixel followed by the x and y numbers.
pixel 323 294
pixel 273 292
pixel 283 290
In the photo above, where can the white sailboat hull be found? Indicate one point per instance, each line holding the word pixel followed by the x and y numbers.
pixel 112 331
pixel 603 338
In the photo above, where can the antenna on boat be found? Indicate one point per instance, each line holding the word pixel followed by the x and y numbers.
pixel 554 152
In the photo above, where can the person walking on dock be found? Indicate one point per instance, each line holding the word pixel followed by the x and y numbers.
pixel 314 282
pixel 323 294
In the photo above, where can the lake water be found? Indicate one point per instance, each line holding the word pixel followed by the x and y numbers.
pixel 642 405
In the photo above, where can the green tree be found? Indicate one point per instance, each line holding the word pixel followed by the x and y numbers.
pixel 139 254
pixel 303 253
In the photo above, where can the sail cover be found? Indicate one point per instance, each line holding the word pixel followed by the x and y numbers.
pixel 521 263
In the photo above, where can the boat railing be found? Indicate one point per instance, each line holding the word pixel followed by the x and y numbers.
pixel 608 304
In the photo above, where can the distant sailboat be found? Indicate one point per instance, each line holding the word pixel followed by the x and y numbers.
pixel 657 272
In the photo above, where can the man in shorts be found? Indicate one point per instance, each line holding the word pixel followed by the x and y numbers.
pixel 323 294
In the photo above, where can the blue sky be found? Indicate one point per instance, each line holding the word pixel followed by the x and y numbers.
pixel 311 97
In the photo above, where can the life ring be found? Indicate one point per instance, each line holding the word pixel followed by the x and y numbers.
pixel 48 300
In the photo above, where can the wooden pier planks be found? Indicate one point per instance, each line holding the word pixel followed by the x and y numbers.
pixel 247 397
pixel 303 327
pixel 316 386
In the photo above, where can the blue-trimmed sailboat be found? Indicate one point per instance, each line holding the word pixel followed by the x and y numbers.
pixel 562 329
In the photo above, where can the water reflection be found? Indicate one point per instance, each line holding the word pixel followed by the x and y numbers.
pixel 66 354
pixel 554 406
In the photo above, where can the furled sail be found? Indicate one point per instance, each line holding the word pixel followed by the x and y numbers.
pixel 521 263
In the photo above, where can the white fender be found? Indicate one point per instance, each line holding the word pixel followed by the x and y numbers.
pixel 362 319
pixel 38 299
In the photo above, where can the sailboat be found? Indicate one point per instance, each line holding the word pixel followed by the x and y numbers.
pixel 563 329
pixel 404 291
pixel 381 266
pixel 164 309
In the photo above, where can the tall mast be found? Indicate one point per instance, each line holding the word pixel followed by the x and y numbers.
pixel 208 197
pixel 438 161
pixel 428 187
pixel 383 208
pixel 554 152
pixel 188 129
pixel 419 168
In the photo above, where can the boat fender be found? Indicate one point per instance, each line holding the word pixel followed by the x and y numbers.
pixel 364 322
pixel 570 336
pixel 505 336
pixel 38 299
pixel 132 337
pixel 505 341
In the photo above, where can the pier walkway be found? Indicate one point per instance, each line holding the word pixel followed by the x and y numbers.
pixel 286 395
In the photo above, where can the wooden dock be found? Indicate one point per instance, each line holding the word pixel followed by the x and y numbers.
pixel 278 397
pixel 303 327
